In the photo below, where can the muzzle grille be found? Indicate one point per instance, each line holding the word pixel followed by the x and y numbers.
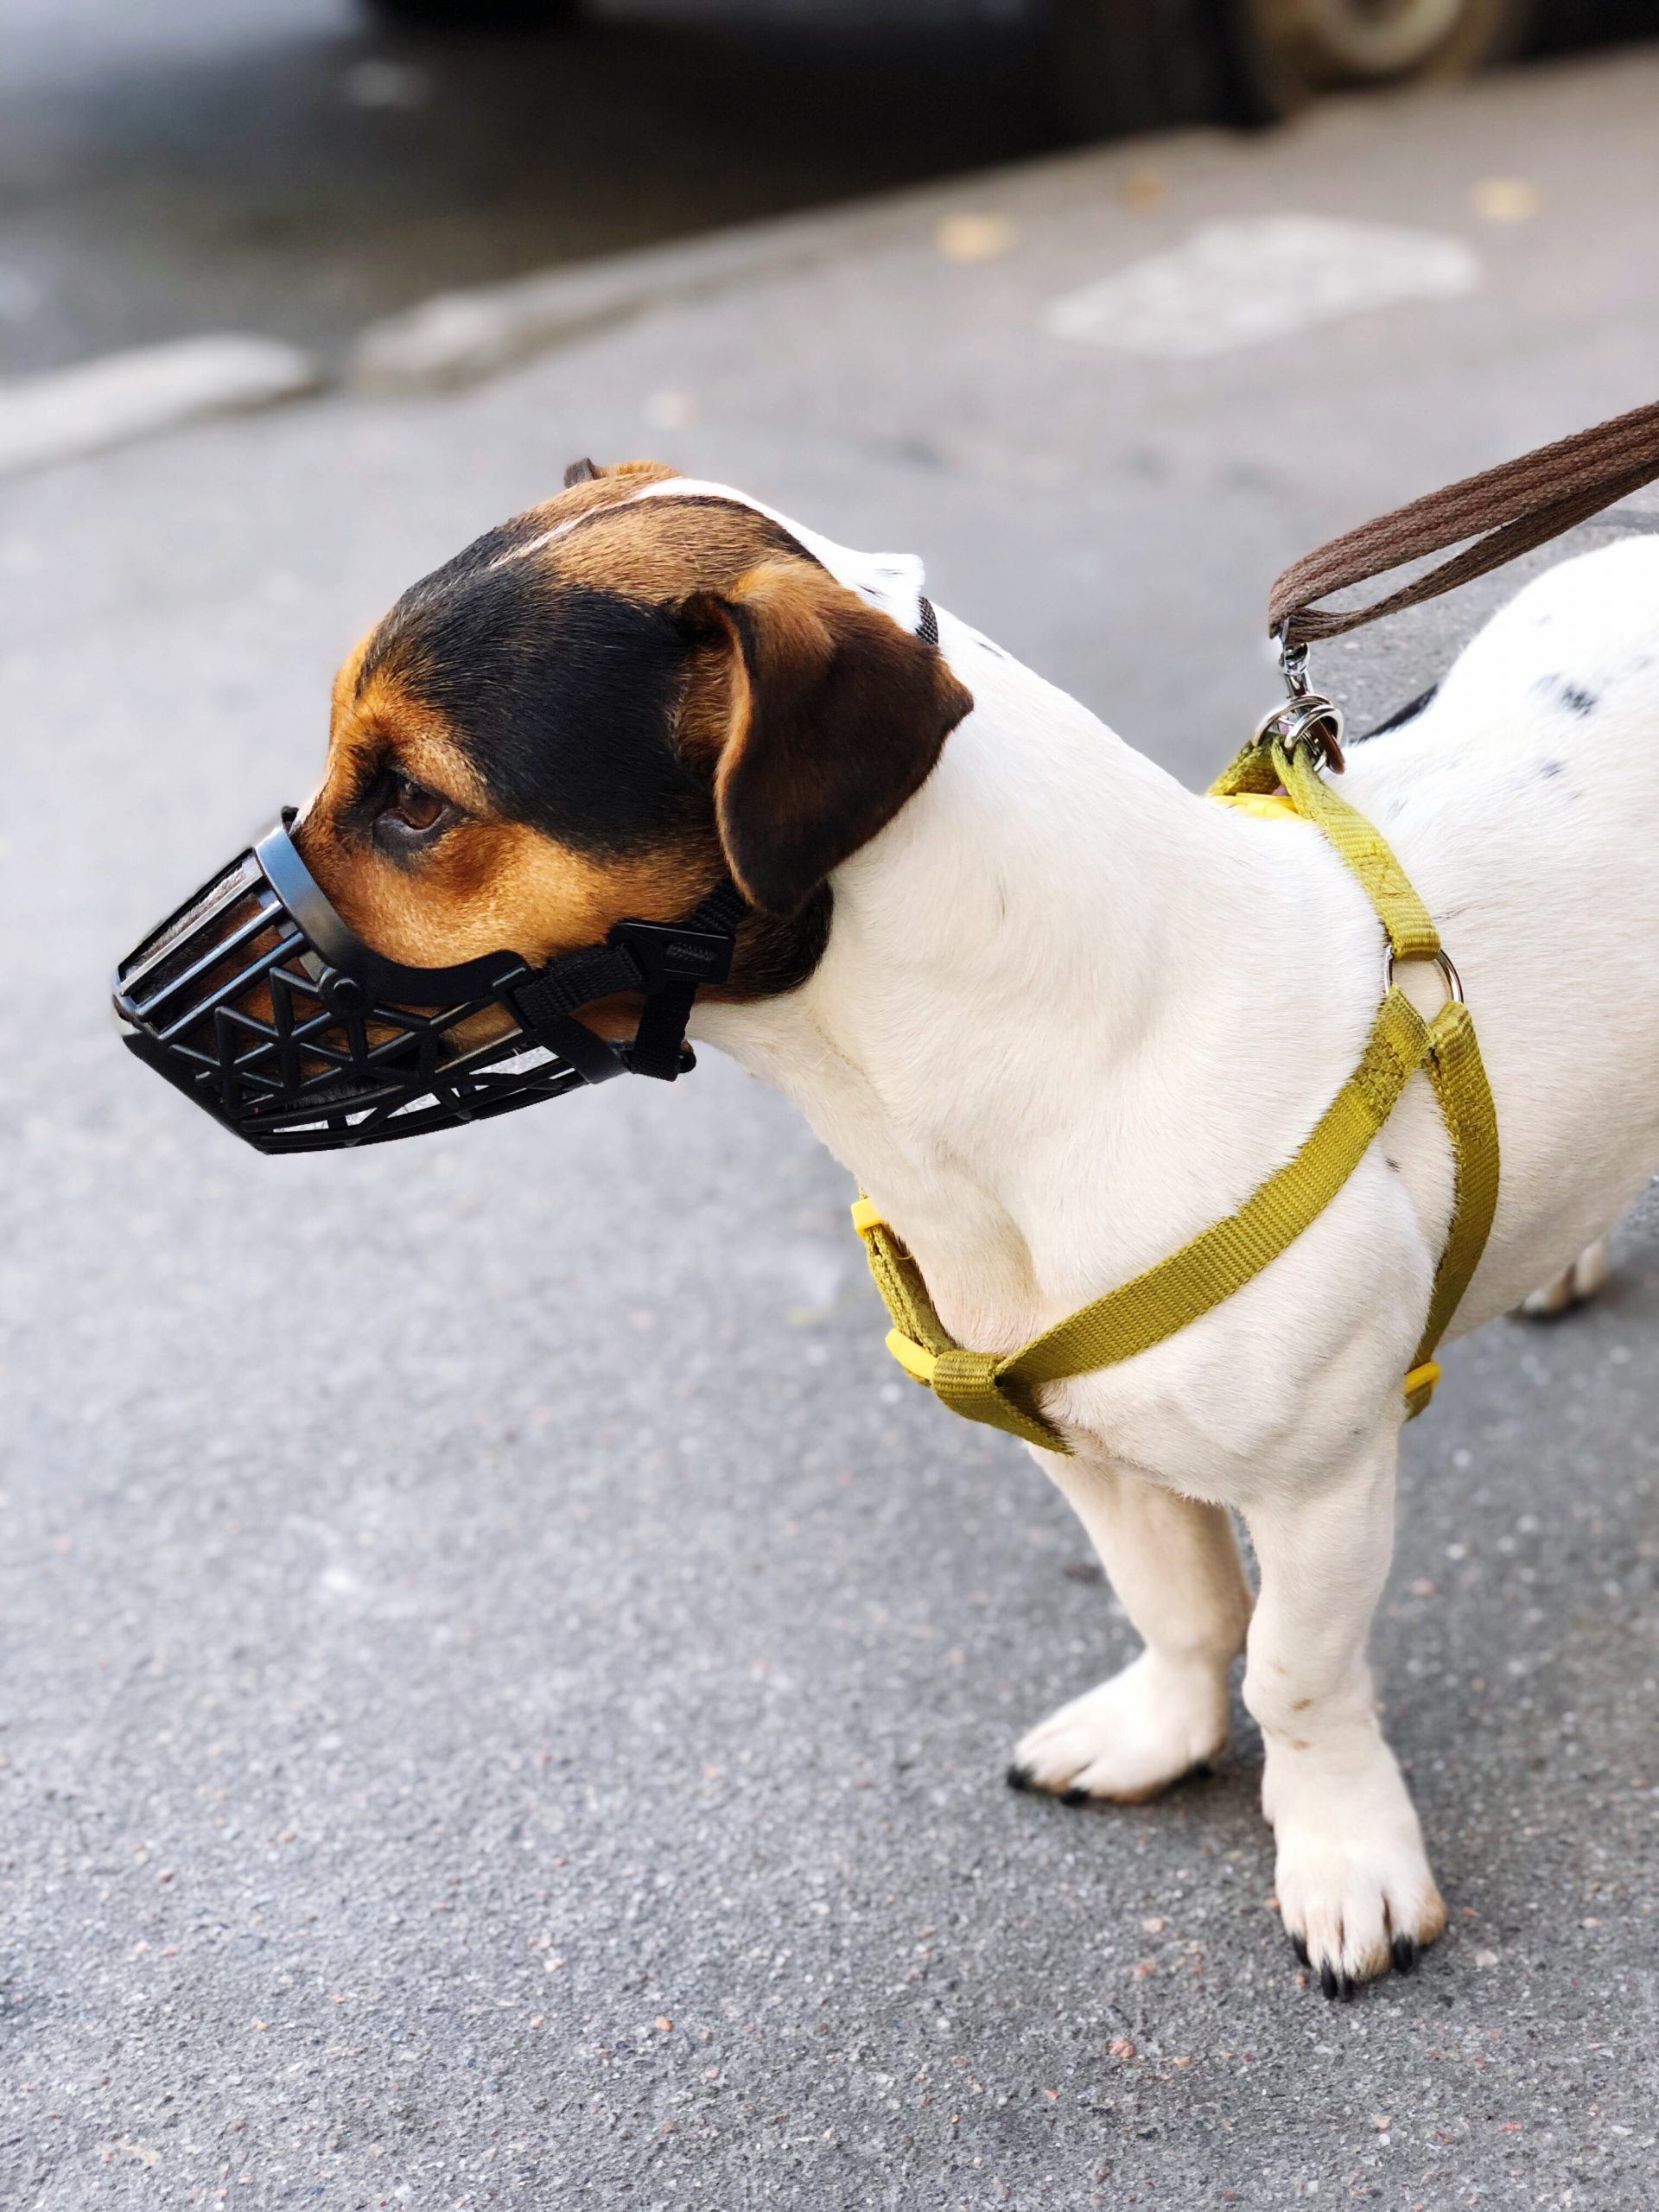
pixel 257 1001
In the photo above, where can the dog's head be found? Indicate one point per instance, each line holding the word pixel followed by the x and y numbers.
pixel 600 708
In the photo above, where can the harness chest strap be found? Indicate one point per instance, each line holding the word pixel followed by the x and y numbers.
pixel 1000 1389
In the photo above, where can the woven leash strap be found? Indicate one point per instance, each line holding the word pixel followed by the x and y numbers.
pixel 1504 511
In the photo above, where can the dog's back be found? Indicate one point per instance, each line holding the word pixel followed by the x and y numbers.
pixel 1523 801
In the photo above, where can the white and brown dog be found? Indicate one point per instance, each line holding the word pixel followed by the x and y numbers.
pixel 1057 1015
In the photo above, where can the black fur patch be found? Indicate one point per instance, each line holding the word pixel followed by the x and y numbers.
pixel 774 956
pixel 563 699
pixel 1572 697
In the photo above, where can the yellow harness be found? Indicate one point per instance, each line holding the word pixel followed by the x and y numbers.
pixel 1001 1388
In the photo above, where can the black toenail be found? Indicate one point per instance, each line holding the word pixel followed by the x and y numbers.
pixel 1405 1953
pixel 1299 1944
pixel 1019 1778
pixel 1328 1981
pixel 1074 1796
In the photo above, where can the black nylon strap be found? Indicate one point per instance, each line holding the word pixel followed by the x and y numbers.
pixel 659 1041
pixel 547 1004
pixel 594 1059
pixel 596 971
pixel 659 1048
pixel 722 911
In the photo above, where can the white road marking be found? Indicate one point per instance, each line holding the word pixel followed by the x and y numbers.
pixel 122 395
pixel 1235 284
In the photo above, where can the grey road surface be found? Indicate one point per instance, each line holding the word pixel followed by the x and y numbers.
pixel 505 1694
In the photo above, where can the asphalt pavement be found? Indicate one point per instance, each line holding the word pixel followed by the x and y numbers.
pixel 505 1693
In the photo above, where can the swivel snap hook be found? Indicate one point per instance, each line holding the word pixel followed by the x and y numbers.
pixel 1303 716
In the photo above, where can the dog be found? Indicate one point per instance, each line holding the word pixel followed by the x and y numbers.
pixel 1057 1014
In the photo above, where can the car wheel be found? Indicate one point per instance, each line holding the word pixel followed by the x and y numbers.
pixel 1285 53
pixel 476 15
pixel 1142 65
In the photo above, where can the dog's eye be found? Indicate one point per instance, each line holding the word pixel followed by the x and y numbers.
pixel 407 814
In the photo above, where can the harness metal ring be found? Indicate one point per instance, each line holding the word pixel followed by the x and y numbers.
pixel 1311 720
pixel 1442 960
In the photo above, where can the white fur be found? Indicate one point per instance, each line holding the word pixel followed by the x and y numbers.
pixel 1070 1013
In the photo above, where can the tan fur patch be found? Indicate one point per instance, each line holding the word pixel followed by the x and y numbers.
pixel 490 884
pixel 854 713
pixel 486 883
pixel 661 551
pixel 612 487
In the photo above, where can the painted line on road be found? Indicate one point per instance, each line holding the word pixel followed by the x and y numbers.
pixel 460 337
pixel 1238 284
pixel 108 401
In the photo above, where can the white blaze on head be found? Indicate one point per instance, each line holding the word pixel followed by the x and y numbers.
pixel 891 582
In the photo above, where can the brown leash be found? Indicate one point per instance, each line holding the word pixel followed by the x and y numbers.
pixel 1505 511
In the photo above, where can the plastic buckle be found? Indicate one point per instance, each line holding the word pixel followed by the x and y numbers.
pixel 667 955
pixel 916 1360
pixel 1419 1386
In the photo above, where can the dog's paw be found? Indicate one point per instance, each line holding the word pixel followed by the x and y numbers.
pixel 1576 1287
pixel 1356 1898
pixel 1129 1738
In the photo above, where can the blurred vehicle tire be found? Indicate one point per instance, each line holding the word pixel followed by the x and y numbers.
pixel 1130 65
pixel 1285 53
pixel 476 15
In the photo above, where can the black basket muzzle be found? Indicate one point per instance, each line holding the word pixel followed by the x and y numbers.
pixel 259 1003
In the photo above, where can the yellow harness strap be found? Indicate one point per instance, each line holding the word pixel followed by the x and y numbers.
pixel 1000 1389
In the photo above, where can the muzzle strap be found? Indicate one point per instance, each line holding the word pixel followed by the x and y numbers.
pixel 707 938
pixel 659 1048
pixel 544 1006
pixel 597 971
pixel 667 963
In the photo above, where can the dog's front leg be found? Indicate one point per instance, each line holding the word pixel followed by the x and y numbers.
pixel 1354 1883
pixel 1175 1566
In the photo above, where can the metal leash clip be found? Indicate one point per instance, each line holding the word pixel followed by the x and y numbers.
pixel 1303 717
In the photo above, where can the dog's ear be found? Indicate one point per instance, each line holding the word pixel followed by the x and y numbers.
pixel 825 717
pixel 586 471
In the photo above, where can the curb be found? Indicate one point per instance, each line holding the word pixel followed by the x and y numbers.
pixel 458 338
pixel 109 402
